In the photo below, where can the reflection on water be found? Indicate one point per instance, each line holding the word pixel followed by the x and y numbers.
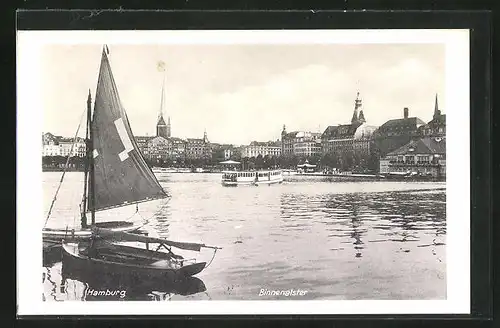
pixel 62 284
pixel 334 239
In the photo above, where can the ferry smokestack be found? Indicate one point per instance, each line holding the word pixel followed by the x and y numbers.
pixel 405 112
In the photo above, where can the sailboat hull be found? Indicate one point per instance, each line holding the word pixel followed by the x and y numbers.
pixel 124 262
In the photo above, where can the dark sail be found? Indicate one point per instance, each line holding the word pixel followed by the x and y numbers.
pixel 121 175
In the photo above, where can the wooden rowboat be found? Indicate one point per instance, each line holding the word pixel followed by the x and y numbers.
pixel 131 261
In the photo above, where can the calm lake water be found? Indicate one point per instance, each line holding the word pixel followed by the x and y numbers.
pixel 331 238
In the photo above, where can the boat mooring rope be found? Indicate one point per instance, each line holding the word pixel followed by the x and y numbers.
pixel 65 168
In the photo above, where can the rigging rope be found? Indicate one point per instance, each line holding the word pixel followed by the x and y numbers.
pixel 215 251
pixel 65 168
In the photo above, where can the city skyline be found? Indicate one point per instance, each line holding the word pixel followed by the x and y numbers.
pixel 244 93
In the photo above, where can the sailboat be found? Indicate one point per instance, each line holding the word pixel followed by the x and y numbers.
pixel 119 176
pixel 116 174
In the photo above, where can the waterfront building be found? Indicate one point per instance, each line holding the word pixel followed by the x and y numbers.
pixel 158 148
pixel 227 153
pixel 142 143
pixel 50 145
pixel 437 126
pixel 178 148
pixel 255 148
pixel 198 148
pixel 58 146
pixel 397 132
pixel 50 139
pixel 287 140
pixel 71 147
pixel 424 156
pixel 51 150
pixel 307 144
pixel 354 138
pixel 300 143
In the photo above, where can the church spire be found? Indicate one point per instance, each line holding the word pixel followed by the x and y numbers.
pixel 437 112
pixel 161 127
pixel 162 99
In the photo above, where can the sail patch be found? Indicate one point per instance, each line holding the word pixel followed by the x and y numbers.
pixel 95 153
pixel 124 137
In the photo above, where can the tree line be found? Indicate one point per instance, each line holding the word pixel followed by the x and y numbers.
pixel 345 161
pixel 58 161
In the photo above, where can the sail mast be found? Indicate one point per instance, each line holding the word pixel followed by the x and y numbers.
pixel 87 162
pixel 91 163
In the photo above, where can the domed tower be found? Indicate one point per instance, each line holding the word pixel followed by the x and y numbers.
pixel 205 136
pixel 357 106
pixel 361 118
pixel 283 133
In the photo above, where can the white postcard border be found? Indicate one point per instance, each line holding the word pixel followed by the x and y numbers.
pixel 29 190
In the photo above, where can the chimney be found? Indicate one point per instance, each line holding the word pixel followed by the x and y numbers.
pixel 405 111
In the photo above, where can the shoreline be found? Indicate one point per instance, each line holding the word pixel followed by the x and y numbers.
pixel 353 177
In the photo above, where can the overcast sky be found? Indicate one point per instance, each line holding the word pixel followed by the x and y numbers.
pixel 240 93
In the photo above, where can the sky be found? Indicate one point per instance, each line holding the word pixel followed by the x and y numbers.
pixel 245 92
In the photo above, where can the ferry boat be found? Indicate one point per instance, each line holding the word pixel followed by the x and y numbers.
pixel 236 178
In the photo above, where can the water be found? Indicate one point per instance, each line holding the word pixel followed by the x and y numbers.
pixel 331 238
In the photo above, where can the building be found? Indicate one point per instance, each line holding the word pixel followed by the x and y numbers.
pixel 72 147
pixel 437 126
pixel 300 143
pixel 198 148
pixel 425 156
pixel 178 148
pixel 51 150
pixel 173 148
pixel 49 139
pixel 307 144
pixel 50 145
pixel 142 144
pixel 256 148
pixel 354 138
pixel 58 146
pixel 397 132
pixel 158 149
pixel 227 153
pixel 363 140
pixel 338 139
pixel 287 140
